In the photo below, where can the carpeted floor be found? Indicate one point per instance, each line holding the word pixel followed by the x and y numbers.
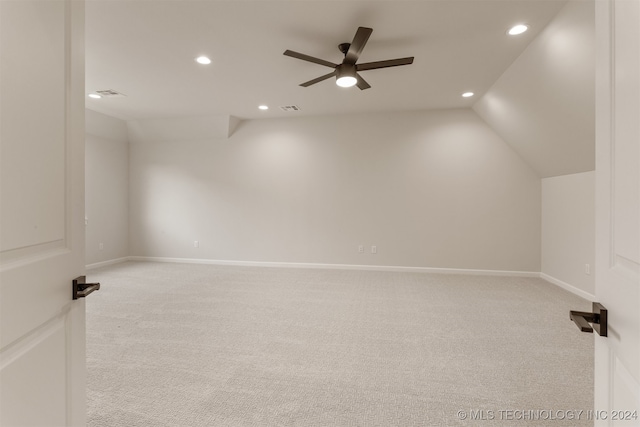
pixel 201 345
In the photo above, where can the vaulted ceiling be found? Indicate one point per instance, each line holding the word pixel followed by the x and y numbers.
pixel 544 103
pixel 146 50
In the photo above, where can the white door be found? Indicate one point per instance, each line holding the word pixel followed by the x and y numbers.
pixel 42 336
pixel 617 357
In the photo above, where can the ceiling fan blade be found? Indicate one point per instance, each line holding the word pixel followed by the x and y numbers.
pixel 362 83
pixel 317 80
pixel 384 64
pixel 309 58
pixel 359 40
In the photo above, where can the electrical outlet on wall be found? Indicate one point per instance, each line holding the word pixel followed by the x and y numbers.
pixel 361 249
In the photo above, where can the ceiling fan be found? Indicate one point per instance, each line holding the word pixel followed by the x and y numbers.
pixel 347 72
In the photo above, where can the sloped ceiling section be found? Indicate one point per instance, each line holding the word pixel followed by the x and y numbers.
pixel 192 128
pixel 544 103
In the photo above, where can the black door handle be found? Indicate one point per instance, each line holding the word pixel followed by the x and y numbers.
pixel 598 319
pixel 81 289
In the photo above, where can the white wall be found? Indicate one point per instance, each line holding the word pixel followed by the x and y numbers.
pixel 429 189
pixel 544 103
pixel 568 231
pixel 107 188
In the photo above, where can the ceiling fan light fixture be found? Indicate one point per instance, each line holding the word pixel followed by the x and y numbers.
pixel 346 76
pixel 346 81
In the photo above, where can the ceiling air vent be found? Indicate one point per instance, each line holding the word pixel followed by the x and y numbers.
pixel 290 108
pixel 110 93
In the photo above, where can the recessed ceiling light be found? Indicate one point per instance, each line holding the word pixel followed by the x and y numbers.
pixel 518 29
pixel 203 60
pixel 94 96
pixel 467 94
pixel 263 107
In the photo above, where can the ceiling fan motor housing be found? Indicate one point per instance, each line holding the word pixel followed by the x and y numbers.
pixel 343 70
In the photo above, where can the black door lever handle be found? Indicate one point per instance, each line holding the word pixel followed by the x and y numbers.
pixel 81 289
pixel 598 319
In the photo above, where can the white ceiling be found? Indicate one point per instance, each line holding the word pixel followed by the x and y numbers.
pixel 146 50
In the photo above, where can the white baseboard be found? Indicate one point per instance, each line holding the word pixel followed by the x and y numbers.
pixel 105 263
pixel 550 279
pixel 339 266
pixel 568 287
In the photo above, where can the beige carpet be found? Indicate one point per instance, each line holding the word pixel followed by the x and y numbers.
pixel 201 345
